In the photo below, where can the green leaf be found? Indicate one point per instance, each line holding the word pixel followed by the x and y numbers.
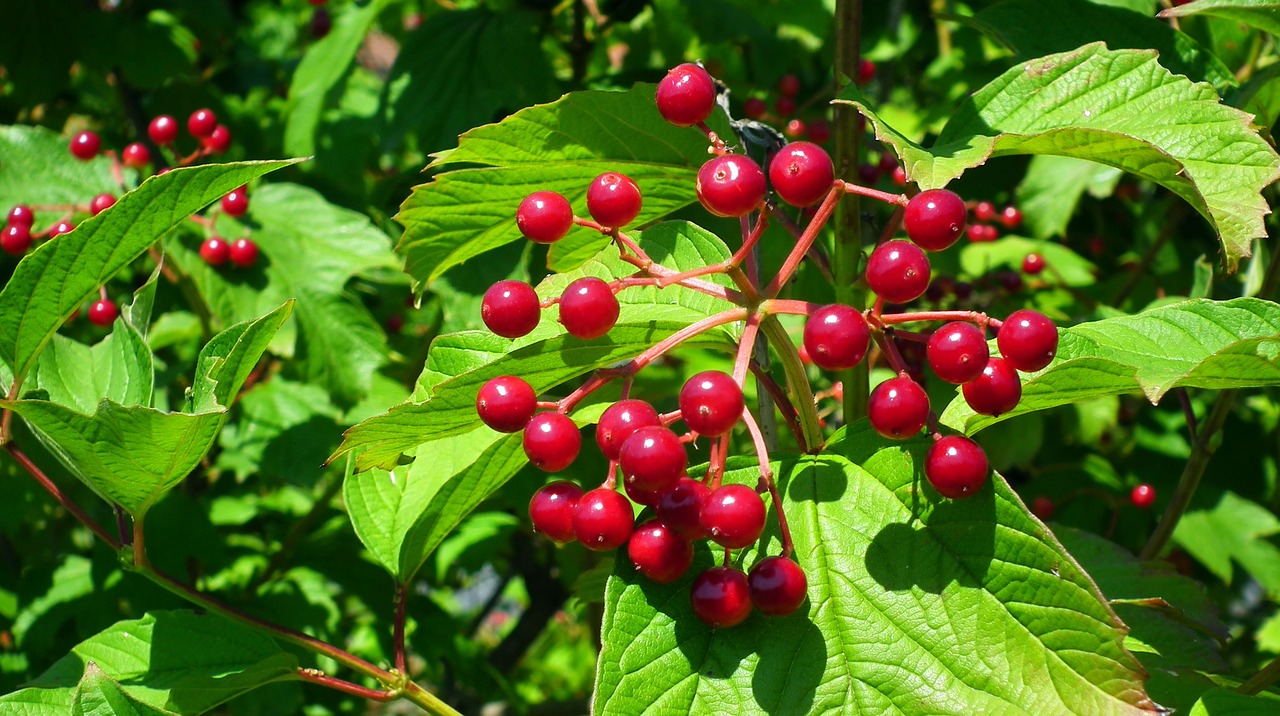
pixel 1197 343
pixel 1225 702
pixel 1052 187
pixel 38 169
pixel 1062 265
pixel 1233 529
pixel 98 695
pixel 1119 108
pixel 284 431
pixel 559 147
pixel 915 605
pixel 38 702
pixel 1262 14
pixel 50 283
pixel 458 364
pixel 226 360
pixel 177 660
pixel 118 369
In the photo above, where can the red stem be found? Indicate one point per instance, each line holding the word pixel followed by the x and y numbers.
pixel 886 197
pixel 401 597
pixel 745 346
pixel 825 209
pixel 982 319
pixel 316 676
pixel 783 403
pixel 766 478
pixel 59 496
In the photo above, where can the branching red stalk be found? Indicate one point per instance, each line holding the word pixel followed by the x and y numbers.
pixel 316 676
pixel 886 197
pixel 745 346
pixel 766 478
pixel 805 241
pixel 715 465
pixel 783 403
pixel 977 317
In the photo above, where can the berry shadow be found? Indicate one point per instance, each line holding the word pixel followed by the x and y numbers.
pixel 953 542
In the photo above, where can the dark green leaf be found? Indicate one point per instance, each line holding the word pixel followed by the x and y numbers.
pixel 1225 702
pixel 1262 14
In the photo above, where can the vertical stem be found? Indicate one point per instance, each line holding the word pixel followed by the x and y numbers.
pixel 847 257
pixel 402 596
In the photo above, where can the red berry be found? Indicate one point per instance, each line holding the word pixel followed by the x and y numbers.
pixel 1028 340
pixel 1011 217
pixel 934 219
pixel 510 308
pixel 957 352
pixel 653 458
pixel 60 228
pixel 982 232
pixel 551 510
pixel 218 141
pixel 898 408
pixel 215 251
pixel 506 403
pixel 996 391
pixel 711 403
pixel 613 200
pixel 836 337
pixel 85 145
pixel 785 106
pixel 603 520
pixel 22 215
pixel 395 323
pixel 135 155
pixel 680 507
pixel 321 23
pixel 551 441
pixel 163 130
pixel 789 85
pixel 899 176
pixel 720 597
pixel 898 271
pixel 640 496
pixel 818 131
pixel 16 239
pixel 733 516
pixel 956 466
pixel 801 173
pixel 658 553
pixel 236 203
pixel 868 174
pixel 243 252
pixel 866 71
pixel 755 108
pixel 730 185
pixel 588 308
pixel 544 217
pixel 101 203
pixel 1143 496
pixel 777 586
pixel 1033 264
pixel 1043 507
pixel 103 312
pixel 201 123
pixel 686 96
pixel 984 211
pixel 619 421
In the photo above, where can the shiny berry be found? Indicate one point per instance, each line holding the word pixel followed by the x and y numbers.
pixel 103 312
pixel 236 203
pixel 551 441
pixel 1033 264
pixel 866 71
pixel 956 466
pixel 711 403
pixel 218 141
pixel 641 496
pixel 836 337
pixel 60 228
pixel 201 123
pixel 777 586
pixel 613 200
pixel 544 217
pixel 15 239
pixel 898 271
pixel 85 145
pixel 1028 340
pixel 801 173
pixel 101 203
pixel 551 510
pixel 1011 217
pixel 680 507
pixel 243 252
pixel 996 391
pixel 658 553
pixel 506 403
pixel 934 219
pixel 603 520
pixel 898 408
pixel 733 516
pixel 510 308
pixel 720 597
pixel 215 251
pixel 619 421
pixel 1143 496
pixel 588 308
pixel 652 458
pixel 686 96
pixel 163 130
pixel 957 352
pixel 22 215
pixel 135 155
pixel 730 185
pixel 984 212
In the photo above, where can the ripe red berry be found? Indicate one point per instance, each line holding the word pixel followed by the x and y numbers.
pixel 898 408
pixel 201 123
pixel 640 496
pixel 686 96
pixel 733 516
pixel 588 308
pixel 1011 217
pixel 506 403
pixel 785 106
pixel 22 215
pixel 956 466
pixel 658 553
pixel 755 108
pixel 218 141
pixel 789 85
pixel 101 203
pixel 135 155
pixel 85 145
pixel 551 510
pixel 1143 496
pixel 603 520
pixel 866 71
pixel 1043 507
pixel 243 252
pixel 163 130
pixel 979 233
pixel 653 458
pixel 1028 340
pixel 720 597
pixel 1033 264
pixel 984 211
pixel 680 507
pixel 996 391
pixel 613 200
pixel 836 337
pixel 934 219
pixel 551 441
pixel 510 308
pixel 711 403
pixel 215 251
pixel 321 23
pixel 103 312
pixel 801 173
pixel 818 131
pixel 777 586
pixel 15 239
pixel 898 271
pixel 60 228
pixel 619 421
pixel 957 352
pixel 730 185
pixel 899 176
pixel 236 203
pixel 544 217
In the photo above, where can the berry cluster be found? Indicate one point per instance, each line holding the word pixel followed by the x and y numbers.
pixel 643 446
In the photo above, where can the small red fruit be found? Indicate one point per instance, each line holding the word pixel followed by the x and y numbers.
pixel 777 586
pixel 603 520
pixel 243 252
pixel 613 200
pixel 1028 340
pixel 215 251
pixel 218 141
pixel 85 145
pixel 659 553
pixel 934 219
pixel 551 441
pixel 956 466
pixel 898 408
pixel 135 155
pixel 588 308
pixel 957 352
pixel 898 271
pixel 16 239
pixel 730 185
pixel 720 597
pixel 802 173
pixel 163 130
pixel 201 123
pixel 996 391
pixel 1033 264
pixel 619 421
pixel 686 96
pixel 1043 507
pixel 680 507
pixel 544 217
pixel 653 458
pixel 789 85
pixel 236 203
pixel 711 403
pixel 60 228
pixel 755 108
pixel 733 516
pixel 22 215
pixel 101 203
pixel 551 510
pixel 506 403
pixel 103 312
pixel 836 337
pixel 510 308
pixel 1143 496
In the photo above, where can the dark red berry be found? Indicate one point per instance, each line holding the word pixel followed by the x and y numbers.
pixel 619 421
pixel 613 200
pixel 506 403
pixel 215 251
pixel 22 215
pixel 551 510
pixel 789 85
pixel 603 520
pixel 1033 264
pixel 996 391
pixel 135 155
pixel 836 337
pixel 730 185
pixel 818 131
pixel 868 174
pixel 899 176
pixel 1011 217
pixel 103 312
pixel 1043 507
pixel 653 458
pixel 711 403
pixel 1143 496
pixel 588 308
pixel 866 71
pixel 1028 340
pixel 957 352
pixel 640 496
pixel 243 252
pixel 201 123
pixel 394 324
pixel 101 203
pixel 60 228
pixel 979 233
pixel 15 239
pixel 755 108
pixel 785 106
pixel 321 23
pixel 551 441
pixel 658 553
pixel 510 308
pixel 85 145
pixel 163 130
pixel 680 507
pixel 934 219
pixel 801 173
pixel 218 141
pixel 236 203
pixel 898 271
pixel 686 96
pixel 733 516
pixel 898 408
pixel 984 212
pixel 777 586
pixel 544 217
pixel 720 597
pixel 956 466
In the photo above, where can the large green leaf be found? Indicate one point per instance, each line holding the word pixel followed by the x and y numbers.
pixel 1051 189
pixel 1233 530
pixel 38 702
pixel 98 695
pixel 1197 344
pixel 37 168
pixel 226 361
pixel 1225 702
pixel 1262 14
pixel 1119 108
pixel 458 364
pixel 50 283
pixel 916 605
pixel 560 147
